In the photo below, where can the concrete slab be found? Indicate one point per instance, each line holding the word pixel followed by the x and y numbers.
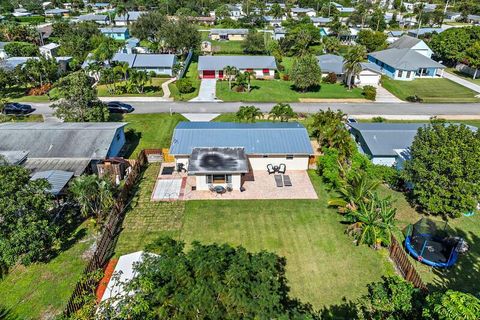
pixel 207 92
pixel 196 117
pixel 467 84
pixel 167 189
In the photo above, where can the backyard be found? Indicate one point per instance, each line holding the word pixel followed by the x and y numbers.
pixel 282 91
pixel 430 90
pixel 323 265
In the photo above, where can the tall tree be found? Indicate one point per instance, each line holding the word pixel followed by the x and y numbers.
pixel 248 113
pixel 306 73
pixel 354 56
pixel 283 112
pixel 254 43
pixel 372 40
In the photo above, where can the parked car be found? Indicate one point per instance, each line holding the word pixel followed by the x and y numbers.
pixel 17 108
pixel 119 107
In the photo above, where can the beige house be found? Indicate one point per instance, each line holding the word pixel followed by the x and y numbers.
pixel 228 34
pixel 212 67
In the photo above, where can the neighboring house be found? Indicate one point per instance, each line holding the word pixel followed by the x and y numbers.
pixel 222 153
pixel 131 46
pixel 320 21
pixel 408 42
pixel 49 50
pixel 57 179
pixel 116 33
pixel 279 33
pixel 347 37
pixel 128 18
pixel 101 7
pixel 341 8
pixel 301 12
pixel 424 31
pixel 453 16
pixel 210 21
pixel 405 64
pixel 474 19
pixel 387 143
pixel 3 54
pixel 160 64
pixel 394 35
pixel 13 62
pixel 97 18
pixel 331 63
pixel 235 11
pixel 228 34
pixel 56 12
pixel 370 75
pixel 273 22
pixel 211 67
pixel 66 146
pixel 21 12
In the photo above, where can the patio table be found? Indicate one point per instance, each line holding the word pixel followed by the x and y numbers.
pixel 219 189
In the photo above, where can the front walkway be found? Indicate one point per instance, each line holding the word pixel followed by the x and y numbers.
pixel 207 92
pixel 384 96
pixel 196 117
pixel 462 82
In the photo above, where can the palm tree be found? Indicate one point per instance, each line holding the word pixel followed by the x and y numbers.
pixel 358 189
pixel 282 111
pixel 248 113
pixel 122 68
pixel 139 79
pixel 373 223
pixel 248 78
pixel 331 44
pixel 354 56
pixel 230 72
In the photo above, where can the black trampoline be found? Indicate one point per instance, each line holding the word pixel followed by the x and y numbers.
pixel 434 243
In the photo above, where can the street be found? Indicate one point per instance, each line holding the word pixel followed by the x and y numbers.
pixel 470 110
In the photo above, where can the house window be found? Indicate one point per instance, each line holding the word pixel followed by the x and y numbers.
pixel 266 71
pixel 209 178
pixel 400 73
pixel 409 74
pixel 289 157
pixel 218 178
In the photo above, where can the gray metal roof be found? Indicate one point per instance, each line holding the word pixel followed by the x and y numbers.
pixel 114 30
pixel 77 166
pixel 145 60
pixel 405 59
pixel 217 160
pixel 92 17
pixel 239 62
pixel 130 16
pixel 56 178
pixel 59 140
pixel 422 31
pixel 57 11
pixel 13 157
pixel 331 63
pixel 405 42
pixel 256 138
pixel 3 44
pixel 229 31
pixel 320 20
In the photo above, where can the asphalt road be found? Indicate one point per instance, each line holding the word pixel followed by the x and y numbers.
pixel 354 109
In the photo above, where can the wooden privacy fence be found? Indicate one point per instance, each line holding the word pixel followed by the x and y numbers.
pixel 404 265
pixel 106 242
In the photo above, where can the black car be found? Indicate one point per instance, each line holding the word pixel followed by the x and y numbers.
pixel 119 107
pixel 17 108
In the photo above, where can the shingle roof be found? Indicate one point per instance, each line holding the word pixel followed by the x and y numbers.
pixel 405 59
pixel 239 62
pixel 331 63
pixel 59 140
pixel 229 31
pixel 145 60
pixel 256 138
pixel 405 42
pixel 56 178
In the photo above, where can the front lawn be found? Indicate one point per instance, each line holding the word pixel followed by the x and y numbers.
pixel 151 90
pixel 430 90
pixel 41 290
pixel 282 91
pixel 149 131
pixel 192 74
pixel 323 265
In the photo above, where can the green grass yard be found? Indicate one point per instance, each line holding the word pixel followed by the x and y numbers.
pixel 323 265
pixel 430 90
pixel 282 91
pixel 192 74
pixel 41 291
pixel 151 90
pixel 464 76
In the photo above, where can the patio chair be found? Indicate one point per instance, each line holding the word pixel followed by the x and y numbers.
pixel 270 168
pixel 180 167
pixel 229 187
pixel 282 168
pixel 278 180
pixel 286 181
pixel 211 188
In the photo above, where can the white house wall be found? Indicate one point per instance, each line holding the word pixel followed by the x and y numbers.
pixel 260 163
pixel 384 161
pixel 201 182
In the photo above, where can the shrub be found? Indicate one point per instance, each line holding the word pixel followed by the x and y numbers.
pixel 369 92
pixel 276 75
pixel 40 90
pixel 414 98
pixel 31 19
pixel 378 119
pixel 329 169
pixel 331 77
pixel 185 86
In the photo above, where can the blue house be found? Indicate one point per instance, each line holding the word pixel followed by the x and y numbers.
pixel 116 33
pixel 405 64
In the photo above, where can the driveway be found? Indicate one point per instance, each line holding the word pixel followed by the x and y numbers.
pixel 207 92
pixel 462 82
pixel 384 96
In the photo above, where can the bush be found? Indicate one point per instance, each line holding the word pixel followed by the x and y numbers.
pixel 378 119
pixel 184 86
pixel 276 75
pixel 331 77
pixel 329 169
pixel 369 92
pixel 414 98
pixel 31 19
pixel 40 90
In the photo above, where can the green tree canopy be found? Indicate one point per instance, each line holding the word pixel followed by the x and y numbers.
pixel 372 40
pixel 208 282
pixel 451 305
pixel 254 43
pixel 21 49
pixel 306 73
pixel 444 170
pixel 451 45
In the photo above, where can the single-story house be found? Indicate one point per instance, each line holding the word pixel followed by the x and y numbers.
pixel 49 50
pixel 56 12
pixel 300 12
pixel 129 17
pixel 221 153
pixel 320 21
pixel 341 8
pixel 424 31
pixel 386 143
pixel 409 42
pixel 272 21
pixel 228 34
pixel 211 67
pixel 453 16
pixel 331 63
pixel 13 62
pixel 116 33
pixel 97 18
pixel 66 146
pixel 405 64
pixel 474 19
pixel 161 64
pixel 279 33
pixel 235 11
